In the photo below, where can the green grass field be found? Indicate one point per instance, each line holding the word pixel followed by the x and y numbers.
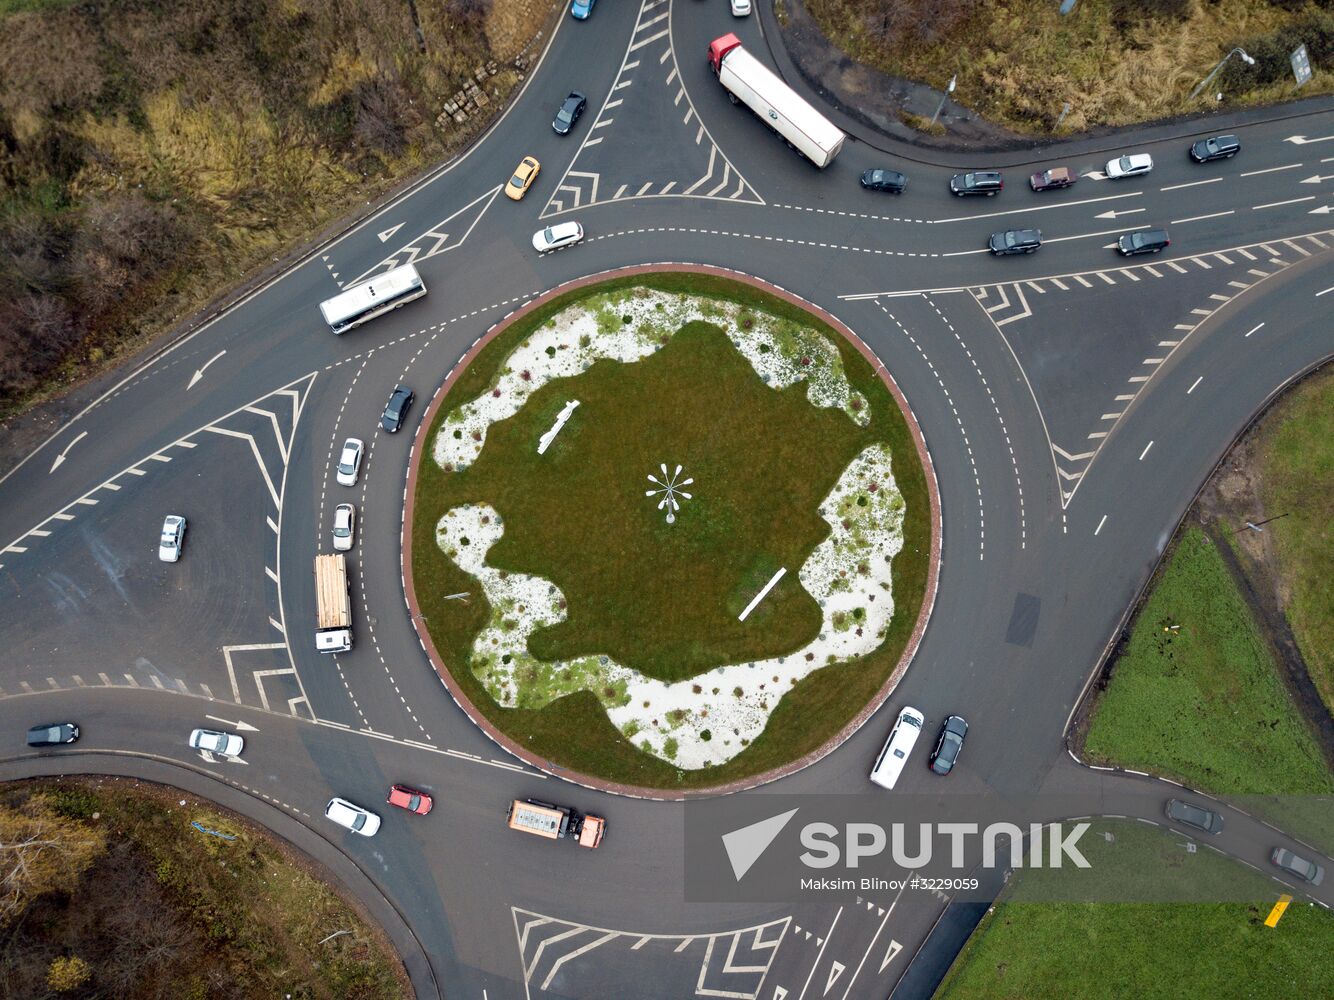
pixel 1149 951
pixel 763 461
pixel 1297 450
pixel 1203 703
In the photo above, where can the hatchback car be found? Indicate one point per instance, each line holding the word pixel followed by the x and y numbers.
pixel 52 734
pixel 396 410
pixel 172 540
pixel 563 234
pixel 344 527
pixel 948 745
pixel 1130 165
pixel 1144 241
pixel 524 175
pixel 349 462
pixel 580 9
pixel 1015 241
pixel 987 182
pixel 226 744
pixel 1216 147
pixel 1297 867
pixel 410 799
pixel 884 180
pixel 352 817
pixel 569 112
pixel 1052 179
pixel 1191 815
pixel 740 8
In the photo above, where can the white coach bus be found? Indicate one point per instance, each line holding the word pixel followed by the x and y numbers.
pixel 372 298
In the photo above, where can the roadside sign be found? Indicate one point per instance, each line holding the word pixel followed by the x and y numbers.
pixel 1276 914
pixel 1301 64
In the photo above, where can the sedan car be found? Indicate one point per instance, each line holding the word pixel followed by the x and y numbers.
pixel 344 527
pixel 580 9
pixel 884 180
pixel 410 799
pixel 396 410
pixel 1192 815
pixel 52 734
pixel 1216 147
pixel 1015 241
pixel 569 112
pixel 226 744
pixel 1143 241
pixel 948 744
pixel 1297 867
pixel 740 8
pixel 1052 179
pixel 1130 165
pixel 563 234
pixel 987 182
pixel 524 175
pixel 352 817
pixel 172 540
pixel 349 462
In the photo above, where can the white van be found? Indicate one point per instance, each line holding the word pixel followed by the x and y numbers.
pixel 889 765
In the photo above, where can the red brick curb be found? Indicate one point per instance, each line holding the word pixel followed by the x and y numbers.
pixel 420 448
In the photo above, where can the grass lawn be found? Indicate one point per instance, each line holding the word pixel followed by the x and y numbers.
pixel 1092 951
pixel 155 908
pixel 1116 62
pixel 664 599
pixel 1297 456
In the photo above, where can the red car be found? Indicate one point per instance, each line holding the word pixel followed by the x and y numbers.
pixel 1055 177
pixel 410 799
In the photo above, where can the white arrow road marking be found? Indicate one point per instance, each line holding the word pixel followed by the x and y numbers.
pixel 1316 179
pixel 894 949
pixel 235 724
pixel 1322 210
pixel 207 756
pixel 199 372
pixel 384 236
pixel 1113 214
pixel 779 993
pixel 61 457
pixel 835 971
pixel 1301 140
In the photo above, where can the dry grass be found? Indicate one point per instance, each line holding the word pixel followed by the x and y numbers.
pixel 1018 61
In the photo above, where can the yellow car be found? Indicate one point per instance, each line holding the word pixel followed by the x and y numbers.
pixel 524 175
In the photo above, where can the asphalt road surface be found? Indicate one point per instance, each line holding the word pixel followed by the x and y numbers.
pixel 1072 402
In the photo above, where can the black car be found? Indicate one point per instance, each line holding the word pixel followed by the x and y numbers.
pixel 1015 241
pixel 948 744
pixel 53 734
pixel 1144 241
pixel 396 410
pixel 987 182
pixel 1192 815
pixel 884 180
pixel 569 112
pixel 1216 147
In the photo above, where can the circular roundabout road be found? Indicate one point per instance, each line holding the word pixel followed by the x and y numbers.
pixel 1069 402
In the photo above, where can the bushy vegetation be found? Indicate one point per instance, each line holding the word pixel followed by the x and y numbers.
pixel 152 153
pixel 1115 61
pixel 110 893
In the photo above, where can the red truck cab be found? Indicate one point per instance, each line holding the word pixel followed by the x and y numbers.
pixel 719 47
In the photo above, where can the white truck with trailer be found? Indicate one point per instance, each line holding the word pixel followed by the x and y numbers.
pixel 748 81
pixel 333 601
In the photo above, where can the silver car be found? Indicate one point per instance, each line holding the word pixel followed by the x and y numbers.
pixel 352 817
pixel 349 462
pixel 1297 867
pixel 344 527
pixel 223 744
pixel 172 540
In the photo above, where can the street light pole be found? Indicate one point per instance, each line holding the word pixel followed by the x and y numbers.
pixel 1246 57
pixel 941 106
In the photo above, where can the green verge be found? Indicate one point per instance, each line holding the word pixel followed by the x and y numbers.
pixel 1204 704
pixel 148 906
pixel 1150 951
pixel 574 732
pixel 1297 462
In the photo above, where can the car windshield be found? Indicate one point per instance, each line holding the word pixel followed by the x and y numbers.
pixel 1125 163
pixel 563 115
pixel 341 530
pixel 516 181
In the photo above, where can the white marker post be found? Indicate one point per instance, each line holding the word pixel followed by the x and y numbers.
pixel 760 596
pixel 545 441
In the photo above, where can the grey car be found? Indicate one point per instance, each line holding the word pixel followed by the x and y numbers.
pixel 1297 867
pixel 1015 241
pixel 52 734
pixel 1192 815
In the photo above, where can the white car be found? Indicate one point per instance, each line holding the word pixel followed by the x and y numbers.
pixel 172 540
pixel 344 527
pixel 352 817
pixel 563 234
pixel 1129 165
pixel 226 744
pixel 740 8
pixel 349 462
